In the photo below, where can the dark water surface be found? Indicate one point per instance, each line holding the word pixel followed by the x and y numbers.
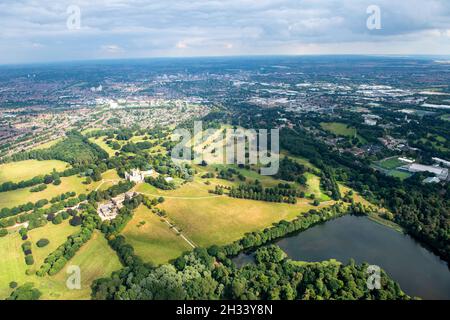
pixel 418 271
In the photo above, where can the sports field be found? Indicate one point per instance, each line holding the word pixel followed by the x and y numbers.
pixel 390 163
pixel 25 170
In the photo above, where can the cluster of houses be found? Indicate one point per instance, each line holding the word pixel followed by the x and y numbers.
pixel 110 210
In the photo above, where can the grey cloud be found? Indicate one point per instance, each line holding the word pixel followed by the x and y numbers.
pixel 205 27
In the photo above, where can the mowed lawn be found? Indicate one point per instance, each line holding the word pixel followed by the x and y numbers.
pixel 25 170
pixel 152 239
pixel 390 163
pixel 17 197
pixel 221 220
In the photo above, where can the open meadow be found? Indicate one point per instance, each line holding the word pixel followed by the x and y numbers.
pixel 17 197
pixel 28 169
pixel 95 259
pixel 152 238
pixel 341 129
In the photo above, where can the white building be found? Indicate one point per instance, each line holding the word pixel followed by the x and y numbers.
pixel 406 160
pixel 138 176
pixel 431 180
pixel 440 173
pixel 443 162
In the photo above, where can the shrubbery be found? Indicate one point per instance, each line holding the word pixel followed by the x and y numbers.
pixel 42 243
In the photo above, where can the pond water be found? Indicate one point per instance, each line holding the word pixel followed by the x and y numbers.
pixel 419 272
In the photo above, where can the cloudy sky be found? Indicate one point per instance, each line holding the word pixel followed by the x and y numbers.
pixel 49 30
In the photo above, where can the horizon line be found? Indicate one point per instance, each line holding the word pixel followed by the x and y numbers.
pixel 55 62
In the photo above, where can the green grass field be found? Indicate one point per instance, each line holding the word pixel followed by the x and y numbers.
pixel 203 216
pixel 24 170
pixel 221 220
pixel 57 234
pixel 153 241
pixel 47 144
pixel 102 144
pixel 437 142
pixel 390 163
pixel 21 196
pixel 341 129
pixel 95 259
pixel 12 263
pixel 402 175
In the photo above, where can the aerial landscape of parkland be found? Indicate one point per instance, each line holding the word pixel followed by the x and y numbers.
pixel 243 177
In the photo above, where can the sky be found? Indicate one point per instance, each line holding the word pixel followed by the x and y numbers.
pixel 61 30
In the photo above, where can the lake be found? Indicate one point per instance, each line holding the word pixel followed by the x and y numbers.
pixel 418 271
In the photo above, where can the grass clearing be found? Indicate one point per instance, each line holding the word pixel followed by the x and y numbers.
pixel 390 163
pixel 221 220
pixel 13 264
pixel 25 170
pixel 47 144
pixel 102 144
pixel 17 197
pixel 152 239
pixel 96 259
pixel 341 129
pixel 57 234
pixel 402 175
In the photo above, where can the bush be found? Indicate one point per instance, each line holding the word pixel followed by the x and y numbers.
pixel 42 243
pixel 29 260
pixel 13 284
pixel 30 272
pixel 75 221
pixel 26 246
pixel 58 219
pixel 25 292
pixel 39 188
pixel 3 233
